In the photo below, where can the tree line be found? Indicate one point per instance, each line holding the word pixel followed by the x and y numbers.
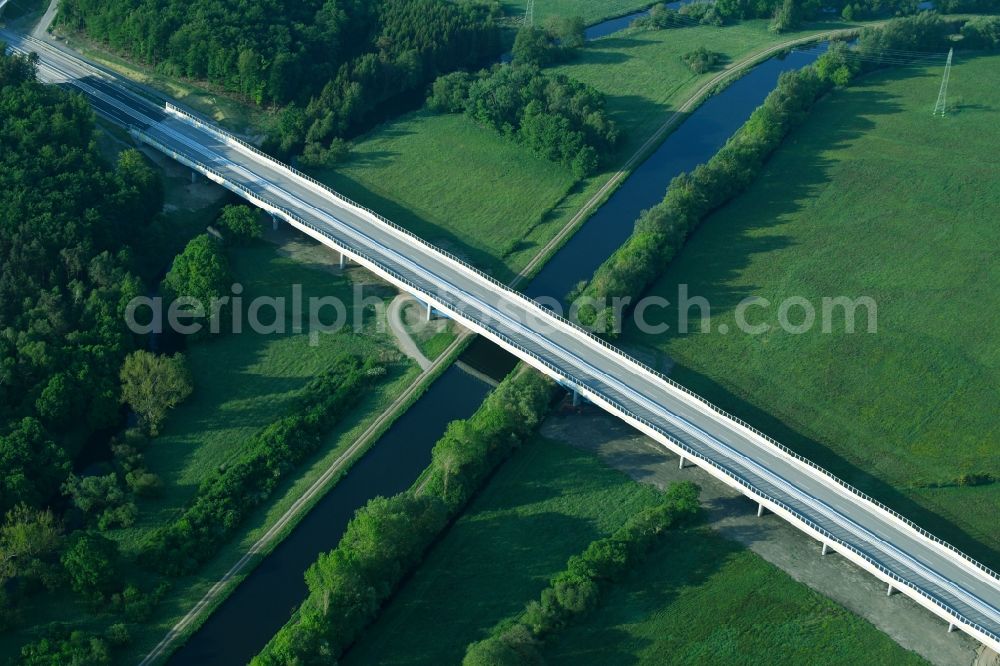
pixel 556 117
pixel 332 64
pixel 578 588
pixel 387 537
pixel 661 231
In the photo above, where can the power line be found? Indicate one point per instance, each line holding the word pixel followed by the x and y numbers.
pixel 941 107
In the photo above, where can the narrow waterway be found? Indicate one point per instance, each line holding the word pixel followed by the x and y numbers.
pixel 259 607
pixel 699 136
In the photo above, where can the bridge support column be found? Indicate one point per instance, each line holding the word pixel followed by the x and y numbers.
pixel 429 312
pixel 826 548
pixel 576 398
pixel 951 627
pixel 889 591
pixel 342 260
pixel 680 465
pixel 194 177
pixel 274 222
pixel 760 509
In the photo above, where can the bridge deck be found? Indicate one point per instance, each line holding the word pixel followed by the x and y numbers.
pixel 933 574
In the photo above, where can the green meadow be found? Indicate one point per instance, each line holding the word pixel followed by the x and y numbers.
pixel 872 197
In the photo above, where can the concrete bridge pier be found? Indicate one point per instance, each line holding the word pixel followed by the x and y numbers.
pixel 343 260
pixel 826 548
pixel 681 464
pixel 194 176
pixel 760 509
pixel 274 222
pixel 889 591
pixel 576 398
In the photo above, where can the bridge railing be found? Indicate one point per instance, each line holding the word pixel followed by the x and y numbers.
pixel 693 453
pixel 589 334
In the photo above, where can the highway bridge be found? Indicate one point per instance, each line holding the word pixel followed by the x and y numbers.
pixel 909 560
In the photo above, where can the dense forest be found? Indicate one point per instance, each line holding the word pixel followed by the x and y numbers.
pixel 332 63
pixel 67 220
pixel 68 223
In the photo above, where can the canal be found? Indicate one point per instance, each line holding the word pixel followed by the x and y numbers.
pixel 261 605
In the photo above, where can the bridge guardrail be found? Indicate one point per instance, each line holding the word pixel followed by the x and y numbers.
pixel 579 329
pixel 751 488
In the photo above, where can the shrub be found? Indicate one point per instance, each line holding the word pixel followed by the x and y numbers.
pixel 982 32
pixel 63 648
pixel 701 60
pixel 90 562
pixel 241 224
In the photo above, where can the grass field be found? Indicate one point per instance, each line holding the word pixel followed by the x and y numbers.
pixel 701 599
pixel 465 188
pixel 455 184
pixel 872 197
pixel 546 503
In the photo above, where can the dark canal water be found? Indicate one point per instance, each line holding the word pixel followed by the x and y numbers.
pixel 244 623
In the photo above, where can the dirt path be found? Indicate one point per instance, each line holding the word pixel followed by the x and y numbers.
pixel 41 29
pixel 407 344
pixel 735 517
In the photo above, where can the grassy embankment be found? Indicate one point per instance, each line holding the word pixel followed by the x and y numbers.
pixel 548 503
pixel 468 190
pixel 871 197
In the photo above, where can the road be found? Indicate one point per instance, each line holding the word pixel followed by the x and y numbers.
pixel 935 575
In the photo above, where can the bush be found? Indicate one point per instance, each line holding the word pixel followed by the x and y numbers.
pixel 514 647
pixel 450 93
pixel 91 564
pixel 387 537
pixel 225 498
pixel 982 32
pixel 241 224
pixel 701 60
pixel 64 648
pixel 556 41
pixel 101 499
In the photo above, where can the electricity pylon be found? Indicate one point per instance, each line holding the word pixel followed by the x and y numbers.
pixel 529 13
pixel 941 107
